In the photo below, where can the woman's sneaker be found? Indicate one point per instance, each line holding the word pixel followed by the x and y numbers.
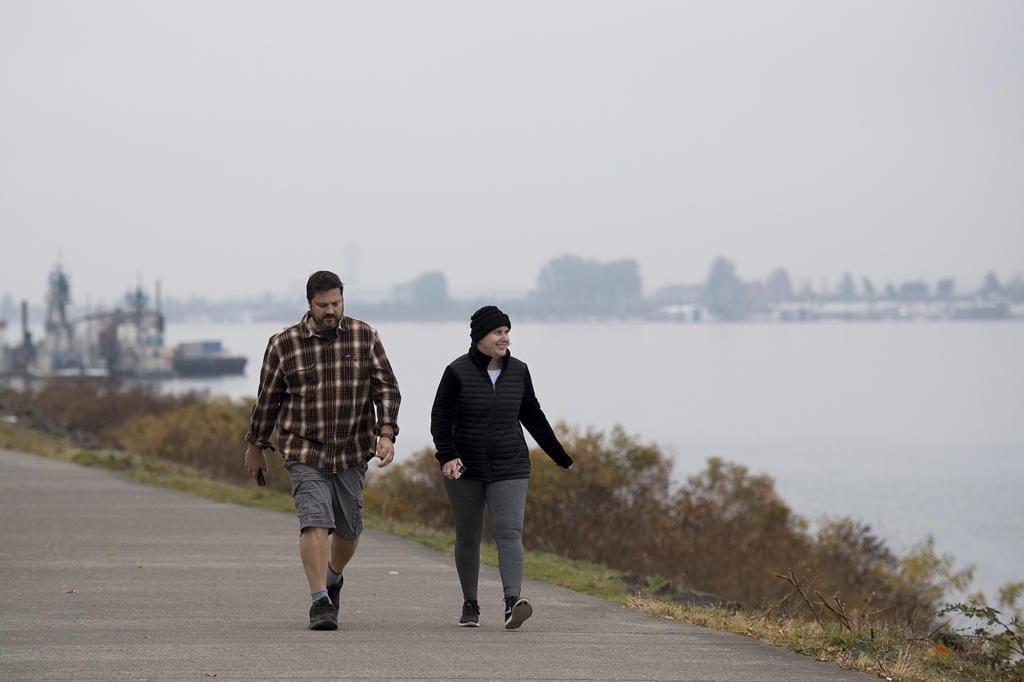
pixel 470 614
pixel 517 610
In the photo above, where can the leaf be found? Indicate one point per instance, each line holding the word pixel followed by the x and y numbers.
pixel 940 649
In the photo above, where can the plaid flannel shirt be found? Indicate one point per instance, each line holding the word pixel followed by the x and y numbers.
pixel 327 398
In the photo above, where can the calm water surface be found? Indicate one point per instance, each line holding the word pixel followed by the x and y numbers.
pixel 914 428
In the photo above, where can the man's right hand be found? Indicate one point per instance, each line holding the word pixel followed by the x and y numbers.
pixel 255 459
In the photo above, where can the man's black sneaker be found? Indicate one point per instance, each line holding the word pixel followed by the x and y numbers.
pixel 470 614
pixel 517 610
pixel 322 615
pixel 334 592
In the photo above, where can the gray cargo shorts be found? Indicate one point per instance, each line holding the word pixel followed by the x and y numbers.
pixel 334 501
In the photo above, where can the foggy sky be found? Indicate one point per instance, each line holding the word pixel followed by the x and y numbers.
pixel 231 147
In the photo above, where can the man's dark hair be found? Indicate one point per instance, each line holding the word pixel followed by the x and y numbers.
pixel 322 280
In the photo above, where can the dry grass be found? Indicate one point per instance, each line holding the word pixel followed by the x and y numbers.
pixel 883 650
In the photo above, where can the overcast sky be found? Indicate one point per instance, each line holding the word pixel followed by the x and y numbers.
pixel 232 147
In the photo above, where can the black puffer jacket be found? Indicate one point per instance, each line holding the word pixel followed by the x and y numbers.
pixel 479 422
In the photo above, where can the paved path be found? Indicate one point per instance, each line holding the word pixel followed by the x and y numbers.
pixel 104 578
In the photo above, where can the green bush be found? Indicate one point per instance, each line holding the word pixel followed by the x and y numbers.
pixel 996 637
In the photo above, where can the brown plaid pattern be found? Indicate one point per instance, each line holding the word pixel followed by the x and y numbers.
pixel 327 398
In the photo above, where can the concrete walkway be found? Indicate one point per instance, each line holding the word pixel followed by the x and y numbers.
pixel 104 578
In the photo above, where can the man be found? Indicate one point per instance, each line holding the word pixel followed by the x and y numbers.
pixel 328 387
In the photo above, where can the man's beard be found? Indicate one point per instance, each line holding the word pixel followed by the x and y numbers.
pixel 323 325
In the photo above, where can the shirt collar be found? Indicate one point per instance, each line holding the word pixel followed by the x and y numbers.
pixel 482 361
pixel 307 325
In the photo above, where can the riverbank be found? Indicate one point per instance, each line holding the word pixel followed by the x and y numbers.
pixel 887 652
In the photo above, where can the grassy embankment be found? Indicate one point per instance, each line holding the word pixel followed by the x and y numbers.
pixel 839 594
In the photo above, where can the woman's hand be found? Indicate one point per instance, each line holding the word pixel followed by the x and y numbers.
pixel 453 469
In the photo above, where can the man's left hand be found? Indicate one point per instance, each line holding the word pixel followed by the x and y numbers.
pixel 386 451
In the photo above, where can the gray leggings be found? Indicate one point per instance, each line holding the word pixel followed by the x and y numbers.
pixel 506 504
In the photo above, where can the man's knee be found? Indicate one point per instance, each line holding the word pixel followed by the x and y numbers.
pixel 343 541
pixel 314 532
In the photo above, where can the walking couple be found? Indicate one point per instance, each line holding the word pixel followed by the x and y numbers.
pixel 328 389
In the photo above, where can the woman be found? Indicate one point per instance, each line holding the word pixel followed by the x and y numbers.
pixel 483 397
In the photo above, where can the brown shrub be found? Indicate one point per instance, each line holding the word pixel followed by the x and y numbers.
pixel 411 490
pixel 724 517
pixel 207 436
pixel 610 508
pixel 93 406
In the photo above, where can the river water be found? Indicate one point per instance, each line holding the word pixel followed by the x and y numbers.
pixel 914 428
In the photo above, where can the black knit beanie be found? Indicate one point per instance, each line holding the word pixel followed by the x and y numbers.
pixel 485 321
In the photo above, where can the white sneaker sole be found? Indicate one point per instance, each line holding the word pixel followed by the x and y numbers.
pixel 521 610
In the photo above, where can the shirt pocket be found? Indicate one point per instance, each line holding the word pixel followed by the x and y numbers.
pixel 300 379
pixel 355 367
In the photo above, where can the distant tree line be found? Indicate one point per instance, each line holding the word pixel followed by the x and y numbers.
pixel 572 288
pixel 729 297
pixel 568 287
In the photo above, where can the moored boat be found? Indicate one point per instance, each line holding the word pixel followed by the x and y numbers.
pixel 206 358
